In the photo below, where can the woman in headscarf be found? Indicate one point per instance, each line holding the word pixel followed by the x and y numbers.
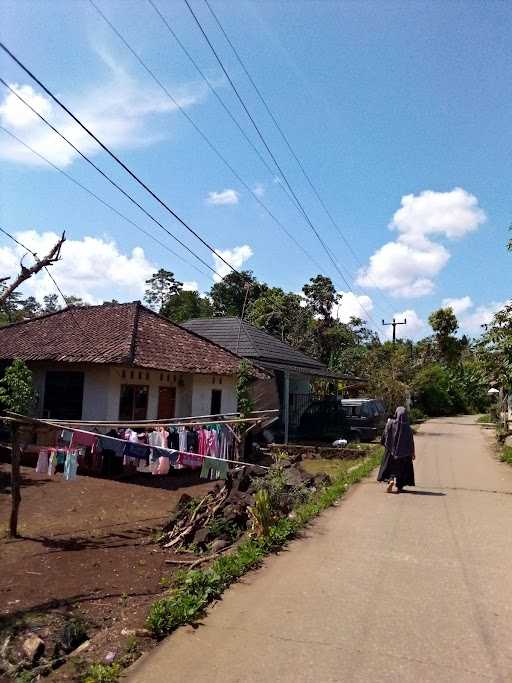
pixel 399 452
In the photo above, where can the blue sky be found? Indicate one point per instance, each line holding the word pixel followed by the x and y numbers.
pixel 399 111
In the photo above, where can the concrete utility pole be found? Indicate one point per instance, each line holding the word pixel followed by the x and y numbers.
pixel 395 323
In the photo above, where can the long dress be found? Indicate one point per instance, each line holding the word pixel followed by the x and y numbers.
pixel 397 462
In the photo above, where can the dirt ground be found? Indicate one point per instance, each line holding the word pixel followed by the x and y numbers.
pixel 86 549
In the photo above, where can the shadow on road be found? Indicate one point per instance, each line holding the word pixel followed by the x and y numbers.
pixel 424 493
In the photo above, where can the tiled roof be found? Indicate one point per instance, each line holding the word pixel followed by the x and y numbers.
pixel 254 343
pixel 115 334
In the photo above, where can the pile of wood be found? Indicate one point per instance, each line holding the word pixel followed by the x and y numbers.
pixel 221 517
pixel 189 526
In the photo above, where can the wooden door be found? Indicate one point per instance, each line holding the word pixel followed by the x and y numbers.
pixel 166 402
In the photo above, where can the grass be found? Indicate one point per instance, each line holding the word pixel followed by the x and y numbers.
pixel 102 673
pixel 334 468
pixel 194 590
pixel 506 454
pixel 482 419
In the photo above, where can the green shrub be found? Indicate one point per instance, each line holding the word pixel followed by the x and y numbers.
pixel 102 673
pixel 506 454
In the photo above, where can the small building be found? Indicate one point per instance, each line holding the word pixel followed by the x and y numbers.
pixel 294 371
pixel 121 362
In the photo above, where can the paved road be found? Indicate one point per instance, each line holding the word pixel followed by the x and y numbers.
pixel 411 587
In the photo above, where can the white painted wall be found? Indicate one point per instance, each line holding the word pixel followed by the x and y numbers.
pixel 202 394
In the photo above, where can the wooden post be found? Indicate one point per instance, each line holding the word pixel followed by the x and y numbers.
pixel 15 482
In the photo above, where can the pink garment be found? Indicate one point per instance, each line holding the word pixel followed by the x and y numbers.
pixel 212 444
pixel 202 435
pixel 190 460
pixel 83 439
pixel 163 466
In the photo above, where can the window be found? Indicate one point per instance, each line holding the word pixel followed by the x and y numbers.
pixel 63 395
pixel 133 403
pixel 216 404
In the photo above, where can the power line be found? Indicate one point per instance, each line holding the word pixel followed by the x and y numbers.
pixel 286 140
pixel 99 199
pixel 267 147
pixel 210 86
pixel 232 117
pixel 116 158
pixel 202 134
pixel 112 182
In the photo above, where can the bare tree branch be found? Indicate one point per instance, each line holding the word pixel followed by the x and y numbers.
pixel 26 273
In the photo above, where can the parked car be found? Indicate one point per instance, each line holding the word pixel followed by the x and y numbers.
pixel 324 420
pixel 354 419
pixel 366 418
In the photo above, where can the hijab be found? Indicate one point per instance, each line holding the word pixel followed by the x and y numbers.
pixel 402 440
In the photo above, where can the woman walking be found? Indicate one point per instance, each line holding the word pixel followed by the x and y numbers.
pixel 398 440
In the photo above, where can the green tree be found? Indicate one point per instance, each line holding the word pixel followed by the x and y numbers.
pixel 10 309
pixel 282 315
pixel 445 325
pixel 162 285
pixel 51 303
pixel 31 307
pixel 321 297
pixel 432 392
pixel 236 289
pixel 16 395
pixel 75 301
pixel 186 305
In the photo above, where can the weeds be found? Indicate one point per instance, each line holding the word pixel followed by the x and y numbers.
pixel 219 526
pixel 194 590
pixel 102 673
pixel 506 454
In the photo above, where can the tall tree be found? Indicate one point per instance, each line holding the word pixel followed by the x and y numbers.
pixel 162 285
pixel 234 291
pixel 186 305
pixel 321 296
pixel 75 301
pixel 51 303
pixel 17 395
pixel 31 307
pixel 445 325
pixel 282 315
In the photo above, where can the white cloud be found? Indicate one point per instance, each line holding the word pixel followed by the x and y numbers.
pixel 236 257
pixel 259 190
pixel 121 112
pixel 458 306
pixel 224 197
pixel 353 306
pixel 407 266
pixel 414 328
pixel 481 315
pixel 190 286
pixel 91 268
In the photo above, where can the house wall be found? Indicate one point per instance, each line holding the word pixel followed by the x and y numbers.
pixel 202 394
pixel 102 388
pixel 299 384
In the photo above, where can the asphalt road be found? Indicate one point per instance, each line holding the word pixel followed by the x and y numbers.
pixel 410 587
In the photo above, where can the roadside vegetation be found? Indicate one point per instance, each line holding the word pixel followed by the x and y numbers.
pixel 193 590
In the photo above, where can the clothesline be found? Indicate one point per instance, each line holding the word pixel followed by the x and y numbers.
pixel 24 419
pixel 175 421
pixel 171 450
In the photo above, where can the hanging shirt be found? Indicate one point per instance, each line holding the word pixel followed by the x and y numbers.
pixel 42 461
pixel 52 463
pixel 71 465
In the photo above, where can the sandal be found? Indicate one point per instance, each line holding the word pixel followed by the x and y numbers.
pixel 390 487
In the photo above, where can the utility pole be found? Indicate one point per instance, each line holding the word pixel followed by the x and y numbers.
pixel 394 324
